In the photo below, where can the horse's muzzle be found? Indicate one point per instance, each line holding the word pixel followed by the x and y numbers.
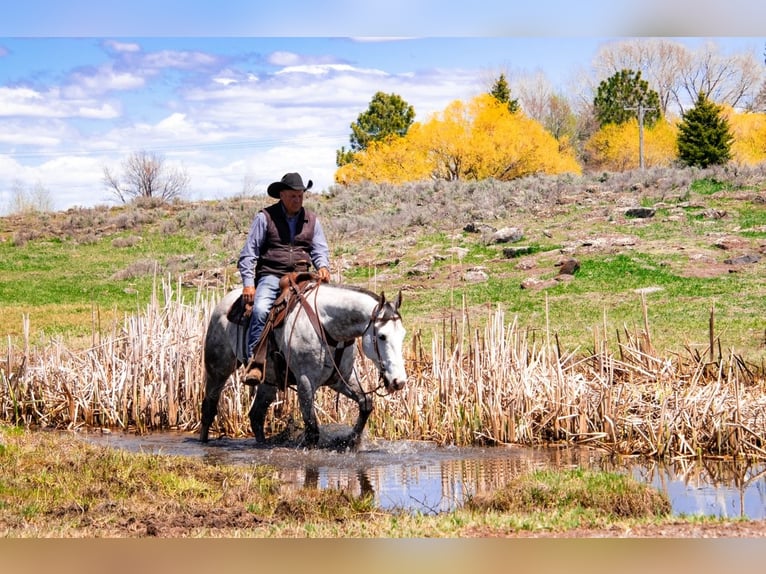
pixel 393 385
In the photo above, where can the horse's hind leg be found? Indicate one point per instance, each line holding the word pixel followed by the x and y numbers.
pixel 218 369
pixel 264 396
pixel 213 387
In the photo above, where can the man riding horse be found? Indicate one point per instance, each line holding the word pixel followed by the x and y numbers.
pixel 283 238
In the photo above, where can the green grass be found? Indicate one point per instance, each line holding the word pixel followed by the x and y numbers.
pixel 65 281
pixel 708 186
pixel 752 215
pixel 583 493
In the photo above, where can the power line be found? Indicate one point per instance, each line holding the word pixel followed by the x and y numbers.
pixel 210 146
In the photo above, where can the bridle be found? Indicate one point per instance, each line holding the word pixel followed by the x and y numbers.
pixel 341 346
pixel 373 324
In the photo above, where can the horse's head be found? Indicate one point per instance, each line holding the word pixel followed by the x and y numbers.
pixel 383 342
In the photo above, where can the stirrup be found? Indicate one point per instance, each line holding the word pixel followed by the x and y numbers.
pixel 253 373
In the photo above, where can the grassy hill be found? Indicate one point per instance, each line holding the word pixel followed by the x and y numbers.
pixel 82 270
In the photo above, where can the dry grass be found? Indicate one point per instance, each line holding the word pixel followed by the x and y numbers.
pixel 490 385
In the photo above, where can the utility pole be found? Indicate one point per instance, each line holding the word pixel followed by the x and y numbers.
pixel 641 111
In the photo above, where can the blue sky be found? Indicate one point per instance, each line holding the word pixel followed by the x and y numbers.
pixel 249 91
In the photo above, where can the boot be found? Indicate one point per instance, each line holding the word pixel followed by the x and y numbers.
pixel 253 372
pixel 256 367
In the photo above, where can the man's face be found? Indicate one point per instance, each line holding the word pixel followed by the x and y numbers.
pixel 292 199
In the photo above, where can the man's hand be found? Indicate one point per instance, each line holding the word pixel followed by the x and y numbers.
pixel 324 274
pixel 248 294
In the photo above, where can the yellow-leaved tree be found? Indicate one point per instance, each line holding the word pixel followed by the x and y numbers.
pixel 392 160
pixel 615 147
pixel 749 131
pixel 475 140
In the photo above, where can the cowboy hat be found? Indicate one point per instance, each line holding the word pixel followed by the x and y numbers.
pixel 289 181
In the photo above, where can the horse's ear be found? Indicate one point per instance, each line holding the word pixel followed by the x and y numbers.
pixel 398 300
pixel 382 299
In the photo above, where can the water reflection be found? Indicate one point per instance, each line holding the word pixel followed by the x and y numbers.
pixel 419 476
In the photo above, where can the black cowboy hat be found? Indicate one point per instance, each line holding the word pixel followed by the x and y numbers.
pixel 289 181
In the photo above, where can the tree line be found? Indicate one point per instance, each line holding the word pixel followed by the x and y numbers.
pixel 657 104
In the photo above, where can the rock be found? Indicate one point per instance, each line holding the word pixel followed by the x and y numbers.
pixel 743 260
pixel 568 266
pixel 640 212
pixel 513 252
pixel 728 243
pixel 475 276
pixel 478 228
pixel 507 235
pixel 537 284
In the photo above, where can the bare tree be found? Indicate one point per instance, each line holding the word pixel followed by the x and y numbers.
pixel 249 186
pixel 725 79
pixel 543 104
pixel 759 102
pixel 660 61
pixel 678 74
pixel 29 198
pixel 145 174
pixel 534 93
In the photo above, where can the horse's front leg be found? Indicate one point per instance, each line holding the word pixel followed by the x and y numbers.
pixel 306 390
pixel 264 396
pixel 351 387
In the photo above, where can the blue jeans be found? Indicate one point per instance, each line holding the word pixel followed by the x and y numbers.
pixel 266 292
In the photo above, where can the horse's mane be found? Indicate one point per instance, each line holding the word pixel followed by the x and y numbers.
pixel 387 308
pixel 355 288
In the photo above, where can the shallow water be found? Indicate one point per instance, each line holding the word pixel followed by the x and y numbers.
pixel 420 476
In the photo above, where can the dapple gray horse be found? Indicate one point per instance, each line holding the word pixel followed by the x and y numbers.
pixel 317 354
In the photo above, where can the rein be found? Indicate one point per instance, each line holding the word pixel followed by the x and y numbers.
pixel 330 342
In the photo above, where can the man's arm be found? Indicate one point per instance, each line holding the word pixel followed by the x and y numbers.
pixel 248 256
pixel 320 251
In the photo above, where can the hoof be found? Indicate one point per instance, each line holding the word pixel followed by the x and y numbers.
pixel 310 440
pixel 351 442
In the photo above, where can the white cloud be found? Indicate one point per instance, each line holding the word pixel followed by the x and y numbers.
pixel 26 102
pixel 127 47
pixel 178 60
pixel 101 81
pixel 325 69
pixel 284 59
pixel 221 123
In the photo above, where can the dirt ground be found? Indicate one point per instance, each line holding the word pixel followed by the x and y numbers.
pixel 738 529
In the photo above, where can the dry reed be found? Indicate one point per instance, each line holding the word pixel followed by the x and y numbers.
pixel 491 385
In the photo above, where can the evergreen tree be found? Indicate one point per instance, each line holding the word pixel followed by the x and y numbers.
pixel 343 156
pixel 387 115
pixel 501 91
pixel 704 136
pixel 618 99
